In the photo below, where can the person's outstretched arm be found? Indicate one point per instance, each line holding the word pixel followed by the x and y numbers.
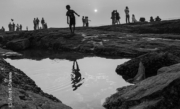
pixel 76 14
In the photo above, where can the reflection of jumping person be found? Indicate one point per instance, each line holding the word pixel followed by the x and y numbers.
pixel 76 76
pixel 70 17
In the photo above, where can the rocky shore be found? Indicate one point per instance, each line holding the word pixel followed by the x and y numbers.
pixel 156 45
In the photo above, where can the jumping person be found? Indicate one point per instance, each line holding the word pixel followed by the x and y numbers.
pixel 70 17
pixel 127 14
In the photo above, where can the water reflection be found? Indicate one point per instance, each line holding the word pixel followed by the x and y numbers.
pixel 76 76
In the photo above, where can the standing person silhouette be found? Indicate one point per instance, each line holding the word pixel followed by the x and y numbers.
pixel 151 19
pixel 42 22
pixel 113 17
pixel 71 17
pixel 127 14
pixel 9 26
pixel 83 20
pixel 76 76
pixel 34 22
pixel 37 23
pixel 20 27
pixel 13 26
pixel 117 17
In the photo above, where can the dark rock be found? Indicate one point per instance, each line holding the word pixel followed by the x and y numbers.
pixel 157 92
pixel 19 44
pixel 151 61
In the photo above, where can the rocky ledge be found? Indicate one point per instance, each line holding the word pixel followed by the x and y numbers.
pixel 130 40
pixel 156 92
pixel 26 94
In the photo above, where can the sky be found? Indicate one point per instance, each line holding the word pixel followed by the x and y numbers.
pixel 54 11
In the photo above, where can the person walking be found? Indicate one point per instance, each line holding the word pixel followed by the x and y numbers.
pixel 127 14
pixel 117 17
pixel 71 18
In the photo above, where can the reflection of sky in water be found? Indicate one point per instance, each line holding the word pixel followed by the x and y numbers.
pixel 54 77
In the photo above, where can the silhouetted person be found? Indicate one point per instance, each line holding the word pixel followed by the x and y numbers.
pixel 13 26
pixel 76 76
pixel 34 22
pixel 113 17
pixel 117 17
pixel 158 19
pixel 37 23
pixel 127 14
pixel 87 21
pixel 27 28
pixel 71 20
pixel 20 27
pixel 42 22
pixel 83 20
pixel 17 27
pixel 151 19
pixel 9 26
pixel 3 29
pixel 45 26
pixel 133 19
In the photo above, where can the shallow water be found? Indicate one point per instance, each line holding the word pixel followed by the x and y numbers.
pixel 84 89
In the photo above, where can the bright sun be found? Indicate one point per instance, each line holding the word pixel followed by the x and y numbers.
pixel 95 10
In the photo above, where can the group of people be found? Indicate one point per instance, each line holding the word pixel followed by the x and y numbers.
pixel 36 22
pixel 14 27
pixel 85 21
pixel 115 17
pixel 156 19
